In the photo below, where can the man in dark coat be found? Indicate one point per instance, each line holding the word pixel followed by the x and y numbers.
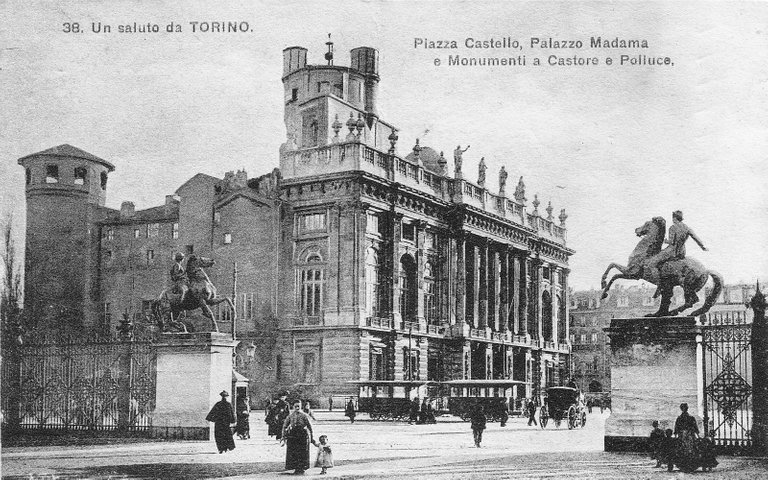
pixel 282 409
pixel 477 421
pixel 222 417
pixel 350 411
pixel 414 413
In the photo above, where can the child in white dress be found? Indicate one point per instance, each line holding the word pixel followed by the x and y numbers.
pixel 324 455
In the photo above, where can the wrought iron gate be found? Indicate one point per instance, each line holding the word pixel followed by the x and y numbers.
pixel 727 379
pixel 66 383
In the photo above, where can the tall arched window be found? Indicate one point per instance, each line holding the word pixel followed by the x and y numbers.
pixel 408 287
pixel 546 315
pixel 430 306
pixel 371 283
pixel 311 283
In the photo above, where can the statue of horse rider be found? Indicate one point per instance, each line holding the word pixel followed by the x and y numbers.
pixel 678 234
pixel 179 277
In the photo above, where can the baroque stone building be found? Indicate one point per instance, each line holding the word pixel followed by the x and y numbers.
pixel 590 315
pixel 350 262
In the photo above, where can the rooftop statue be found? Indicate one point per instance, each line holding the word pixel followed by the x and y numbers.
pixel 502 180
pixel 192 289
pixel 667 268
pixel 481 172
pixel 457 160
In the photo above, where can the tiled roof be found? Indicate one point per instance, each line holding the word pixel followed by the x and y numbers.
pixel 66 150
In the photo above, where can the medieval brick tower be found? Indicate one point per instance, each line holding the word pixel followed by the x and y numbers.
pixel 65 187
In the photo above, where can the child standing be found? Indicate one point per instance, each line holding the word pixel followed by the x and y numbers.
pixel 324 455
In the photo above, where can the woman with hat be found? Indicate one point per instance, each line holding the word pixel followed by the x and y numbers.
pixel 297 432
pixel 222 417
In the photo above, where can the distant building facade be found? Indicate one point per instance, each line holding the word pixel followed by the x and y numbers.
pixel 589 316
pixel 348 263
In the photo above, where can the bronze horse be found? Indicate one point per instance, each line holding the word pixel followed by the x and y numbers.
pixel 687 272
pixel 201 294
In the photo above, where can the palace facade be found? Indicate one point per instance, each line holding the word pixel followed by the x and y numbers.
pixel 350 262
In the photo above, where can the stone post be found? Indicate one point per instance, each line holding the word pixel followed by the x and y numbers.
pixel 759 375
pixel 192 369
pixel 653 370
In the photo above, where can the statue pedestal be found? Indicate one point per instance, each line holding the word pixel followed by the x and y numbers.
pixel 192 369
pixel 653 370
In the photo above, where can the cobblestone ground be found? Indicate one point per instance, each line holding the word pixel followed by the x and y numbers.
pixel 370 450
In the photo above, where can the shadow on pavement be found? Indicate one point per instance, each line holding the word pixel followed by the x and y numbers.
pixel 187 471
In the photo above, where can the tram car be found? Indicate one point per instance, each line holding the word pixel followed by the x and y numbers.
pixel 563 404
pixel 496 396
pixel 391 399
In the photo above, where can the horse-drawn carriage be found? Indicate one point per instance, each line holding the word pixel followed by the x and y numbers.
pixel 393 399
pixel 496 396
pixel 563 404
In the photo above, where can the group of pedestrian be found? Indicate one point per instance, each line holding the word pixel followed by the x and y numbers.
pixel 421 413
pixel 682 446
pixel 293 428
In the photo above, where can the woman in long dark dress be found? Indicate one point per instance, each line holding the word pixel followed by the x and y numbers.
pixel 297 432
pixel 222 417
pixel 687 457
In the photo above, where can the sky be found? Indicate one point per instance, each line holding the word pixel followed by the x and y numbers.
pixel 613 145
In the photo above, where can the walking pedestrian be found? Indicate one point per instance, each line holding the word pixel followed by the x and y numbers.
pixel 330 404
pixel 414 412
pixel 297 433
pixel 282 409
pixel 308 410
pixel 531 410
pixel 350 411
pixel 223 418
pixel 324 454
pixel 243 412
pixel 477 421
pixel 656 438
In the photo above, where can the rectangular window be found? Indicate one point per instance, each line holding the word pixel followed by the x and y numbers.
pixel 583 338
pixel 312 222
pixel 108 255
pixel 372 223
pixel 294 94
pixel 623 301
pixel 573 339
pixel 107 316
pixel 246 306
pixel 153 230
pixel 430 240
pixel 150 256
pixel 409 232
pixel 110 234
pixel 227 238
pixel 51 174
pixel 216 218
pixel 376 364
pixel 593 340
pixel 136 233
pixel 80 174
pixel 308 373
pixel 175 231
pixel 410 364
pixel 430 312
pixel 311 292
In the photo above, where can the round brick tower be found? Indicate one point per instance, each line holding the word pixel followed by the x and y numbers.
pixel 65 188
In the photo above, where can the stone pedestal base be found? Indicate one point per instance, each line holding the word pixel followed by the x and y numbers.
pixel 653 370
pixel 192 369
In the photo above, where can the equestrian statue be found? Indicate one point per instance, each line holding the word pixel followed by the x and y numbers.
pixel 191 289
pixel 667 268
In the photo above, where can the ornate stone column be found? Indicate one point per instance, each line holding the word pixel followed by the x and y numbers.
pixel 421 258
pixel 521 285
pixel 483 286
pixel 505 299
pixel 459 277
pixel 475 286
pixel 397 225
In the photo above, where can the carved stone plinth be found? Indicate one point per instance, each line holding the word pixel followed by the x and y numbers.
pixel 653 370
pixel 192 369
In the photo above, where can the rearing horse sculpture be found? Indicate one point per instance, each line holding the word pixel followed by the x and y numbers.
pixel 201 294
pixel 687 272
